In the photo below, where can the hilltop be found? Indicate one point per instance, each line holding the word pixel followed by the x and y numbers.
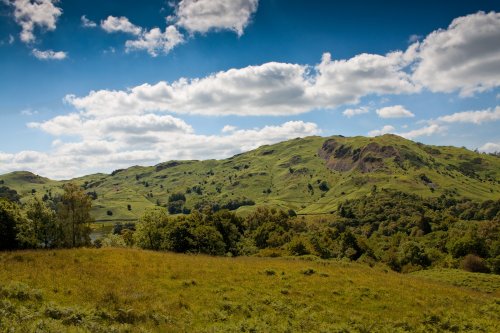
pixel 310 175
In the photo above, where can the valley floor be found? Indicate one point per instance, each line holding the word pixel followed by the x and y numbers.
pixel 115 290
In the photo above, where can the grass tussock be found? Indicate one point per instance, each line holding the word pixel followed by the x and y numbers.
pixel 123 290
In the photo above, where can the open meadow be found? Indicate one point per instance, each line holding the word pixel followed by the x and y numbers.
pixel 129 290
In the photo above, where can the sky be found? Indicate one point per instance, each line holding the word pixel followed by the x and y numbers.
pixel 94 86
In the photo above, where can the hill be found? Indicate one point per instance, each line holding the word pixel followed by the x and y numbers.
pixel 118 290
pixel 309 175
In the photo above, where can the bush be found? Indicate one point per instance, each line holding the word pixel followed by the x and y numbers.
pixel 324 186
pixel 475 264
pixel 299 246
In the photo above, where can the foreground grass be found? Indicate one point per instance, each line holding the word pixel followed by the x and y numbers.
pixel 118 290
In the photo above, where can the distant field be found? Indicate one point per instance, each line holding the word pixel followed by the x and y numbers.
pixel 119 290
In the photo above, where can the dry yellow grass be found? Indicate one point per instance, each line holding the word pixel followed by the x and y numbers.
pixel 136 290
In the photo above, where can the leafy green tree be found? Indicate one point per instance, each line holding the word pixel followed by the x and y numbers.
pixel 10 217
pixel 43 225
pixel 74 215
pixel 180 237
pixel 413 253
pixel 10 194
pixel 229 226
pixel 349 246
pixel 206 239
pixel 151 229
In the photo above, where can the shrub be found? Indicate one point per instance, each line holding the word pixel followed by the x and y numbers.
pixel 475 264
pixel 323 186
pixel 299 246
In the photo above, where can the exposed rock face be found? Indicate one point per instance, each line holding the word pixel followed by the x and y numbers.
pixel 166 165
pixel 342 157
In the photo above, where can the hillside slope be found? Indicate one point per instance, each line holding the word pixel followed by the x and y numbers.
pixel 310 175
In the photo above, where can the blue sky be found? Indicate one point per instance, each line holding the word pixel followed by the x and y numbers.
pixel 98 85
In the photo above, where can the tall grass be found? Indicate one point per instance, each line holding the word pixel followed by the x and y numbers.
pixel 105 290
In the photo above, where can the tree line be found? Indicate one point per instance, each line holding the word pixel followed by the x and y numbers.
pixel 404 231
pixel 63 221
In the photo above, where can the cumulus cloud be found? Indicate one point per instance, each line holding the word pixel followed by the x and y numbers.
pixel 384 130
pixel 206 15
pixel 355 112
pixel 474 117
pixel 120 24
pixel 30 14
pixel 395 111
pixel 424 131
pixel 145 139
pixel 345 81
pixel 49 54
pixel 86 23
pixel 114 127
pixel 463 57
pixel 155 41
pixel 229 128
pixel 489 147
pixel 269 89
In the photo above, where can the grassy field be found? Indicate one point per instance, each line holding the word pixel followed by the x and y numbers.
pixel 119 290
pixel 287 175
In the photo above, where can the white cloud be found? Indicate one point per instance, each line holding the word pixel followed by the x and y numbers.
pixel 105 145
pixel 156 42
pixel 11 40
pixel 424 131
pixel 474 117
pixel 30 14
pixel 414 38
pixel 49 54
pixel 206 15
pixel 86 23
pixel 395 111
pixel 268 89
pixel 28 112
pixel 345 81
pixel 490 147
pixel 384 130
pixel 464 57
pixel 120 24
pixel 114 127
pixel 4 157
pixel 355 112
pixel 229 129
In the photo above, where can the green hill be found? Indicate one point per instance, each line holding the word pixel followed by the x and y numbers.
pixel 119 290
pixel 309 175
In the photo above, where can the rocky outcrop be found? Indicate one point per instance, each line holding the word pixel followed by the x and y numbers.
pixel 341 157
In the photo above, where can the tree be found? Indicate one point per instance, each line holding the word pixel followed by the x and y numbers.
pixel 74 215
pixel 41 228
pixel 10 217
pixel 150 232
pixel 10 194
